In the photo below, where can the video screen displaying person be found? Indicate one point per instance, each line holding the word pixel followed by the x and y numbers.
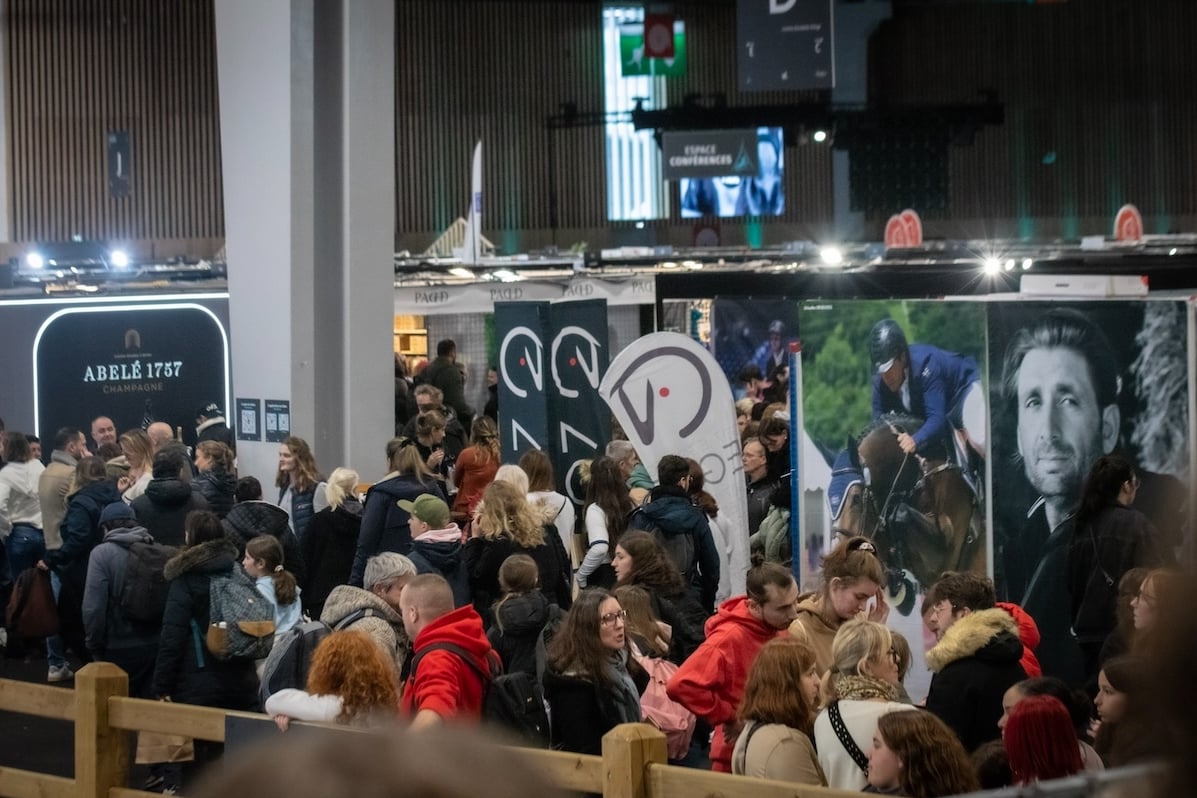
pixel 760 195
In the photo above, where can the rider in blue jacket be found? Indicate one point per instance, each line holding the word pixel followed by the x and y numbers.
pixel 941 387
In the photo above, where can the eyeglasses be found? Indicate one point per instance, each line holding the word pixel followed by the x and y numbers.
pixel 612 617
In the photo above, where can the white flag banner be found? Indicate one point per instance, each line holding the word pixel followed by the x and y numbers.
pixel 670 397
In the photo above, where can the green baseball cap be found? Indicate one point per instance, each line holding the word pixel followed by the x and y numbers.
pixel 429 509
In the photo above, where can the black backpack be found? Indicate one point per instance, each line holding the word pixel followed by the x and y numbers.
pixel 143 598
pixel 511 702
pixel 290 658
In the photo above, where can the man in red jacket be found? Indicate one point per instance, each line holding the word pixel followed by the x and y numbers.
pixel 442 684
pixel 710 683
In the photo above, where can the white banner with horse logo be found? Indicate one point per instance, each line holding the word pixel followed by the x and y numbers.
pixel 670 397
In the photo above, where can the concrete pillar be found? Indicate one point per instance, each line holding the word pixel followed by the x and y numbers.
pixel 307 137
pixel 854 24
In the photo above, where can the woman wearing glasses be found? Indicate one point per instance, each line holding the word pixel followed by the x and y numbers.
pixel 1109 538
pixel 863 682
pixel 589 681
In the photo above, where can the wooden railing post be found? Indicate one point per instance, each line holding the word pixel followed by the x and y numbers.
pixel 628 749
pixel 101 752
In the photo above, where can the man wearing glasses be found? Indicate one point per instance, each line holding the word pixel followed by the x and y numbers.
pixel 976 658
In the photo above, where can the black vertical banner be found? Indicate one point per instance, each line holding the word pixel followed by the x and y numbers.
pixel 578 356
pixel 522 328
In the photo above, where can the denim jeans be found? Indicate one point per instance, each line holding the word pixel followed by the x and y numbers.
pixel 25 546
pixel 55 648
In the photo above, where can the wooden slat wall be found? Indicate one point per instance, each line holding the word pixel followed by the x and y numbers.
pixel 80 68
pixel 495 71
pixel 1104 85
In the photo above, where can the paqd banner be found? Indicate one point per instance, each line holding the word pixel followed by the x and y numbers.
pixel 521 329
pixel 784 44
pixel 128 363
pixel 709 153
pixel 578 356
pixel 671 397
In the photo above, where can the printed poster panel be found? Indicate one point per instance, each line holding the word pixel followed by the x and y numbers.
pixel 521 328
pixel 1073 381
pixel 748 331
pixel 578 356
pixel 130 363
pixel 924 519
pixel 670 397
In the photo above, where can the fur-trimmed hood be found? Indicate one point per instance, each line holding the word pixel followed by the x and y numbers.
pixel 986 634
pixel 213 556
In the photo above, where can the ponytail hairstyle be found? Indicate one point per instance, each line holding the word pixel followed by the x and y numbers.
pixel 341 483
pixel 220 454
pixel 850 561
pixel 267 549
pixel 517 575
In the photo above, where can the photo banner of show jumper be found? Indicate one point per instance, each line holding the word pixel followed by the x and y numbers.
pixel 552 357
pixel 671 397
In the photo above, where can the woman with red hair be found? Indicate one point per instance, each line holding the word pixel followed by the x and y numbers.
pixel 351 682
pixel 1041 741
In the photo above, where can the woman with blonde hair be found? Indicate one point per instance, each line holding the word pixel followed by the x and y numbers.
pixel 299 482
pixel 216 476
pixel 385 525
pixel 476 467
pixel 331 541
pixel 542 490
pixel 861 685
pixel 506 524
pixel 852 575
pixel 351 683
pixel 917 755
pixel 138 450
pixel 777 716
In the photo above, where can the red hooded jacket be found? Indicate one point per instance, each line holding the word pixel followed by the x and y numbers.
pixel 442 681
pixel 710 683
pixel 1028 633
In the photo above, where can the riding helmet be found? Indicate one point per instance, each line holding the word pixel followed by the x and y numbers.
pixel 886 342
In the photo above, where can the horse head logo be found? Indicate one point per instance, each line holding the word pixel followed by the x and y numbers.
pixel 524 364
pixel 663 376
pixel 587 363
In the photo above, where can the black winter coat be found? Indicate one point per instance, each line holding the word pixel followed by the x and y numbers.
pixel 384 523
pixel 163 508
pixel 523 619
pixel 484 557
pixel 582 711
pixel 81 532
pixel 217 489
pixel 328 548
pixel 249 519
pixel 444 558
pixel 185 670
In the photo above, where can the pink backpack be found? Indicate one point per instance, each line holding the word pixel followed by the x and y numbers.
pixel 657 708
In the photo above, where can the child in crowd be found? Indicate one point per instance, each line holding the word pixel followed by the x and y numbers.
pixel 521 615
pixel 264 562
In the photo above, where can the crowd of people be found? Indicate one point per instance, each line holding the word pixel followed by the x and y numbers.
pixel 456 568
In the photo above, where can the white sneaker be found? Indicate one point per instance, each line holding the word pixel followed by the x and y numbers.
pixel 60 673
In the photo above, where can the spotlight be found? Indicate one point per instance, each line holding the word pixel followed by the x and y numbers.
pixel 820 136
pixel 461 271
pixel 832 256
pixel 1010 264
pixel 119 258
pixel 34 260
pixel 505 275
pixel 1026 264
pixel 992 266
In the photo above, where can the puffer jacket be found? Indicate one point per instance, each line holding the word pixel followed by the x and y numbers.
pixel 185 670
pixel 385 525
pixel 163 508
pixel 249 519
pixel 104 621
pixel 439 551
pixel 519 622
pixel 81 531
pixel 669 512
pixel 216 486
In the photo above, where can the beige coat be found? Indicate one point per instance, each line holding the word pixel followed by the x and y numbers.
pixel 776 752
pixel 52 489
pixel 811 628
